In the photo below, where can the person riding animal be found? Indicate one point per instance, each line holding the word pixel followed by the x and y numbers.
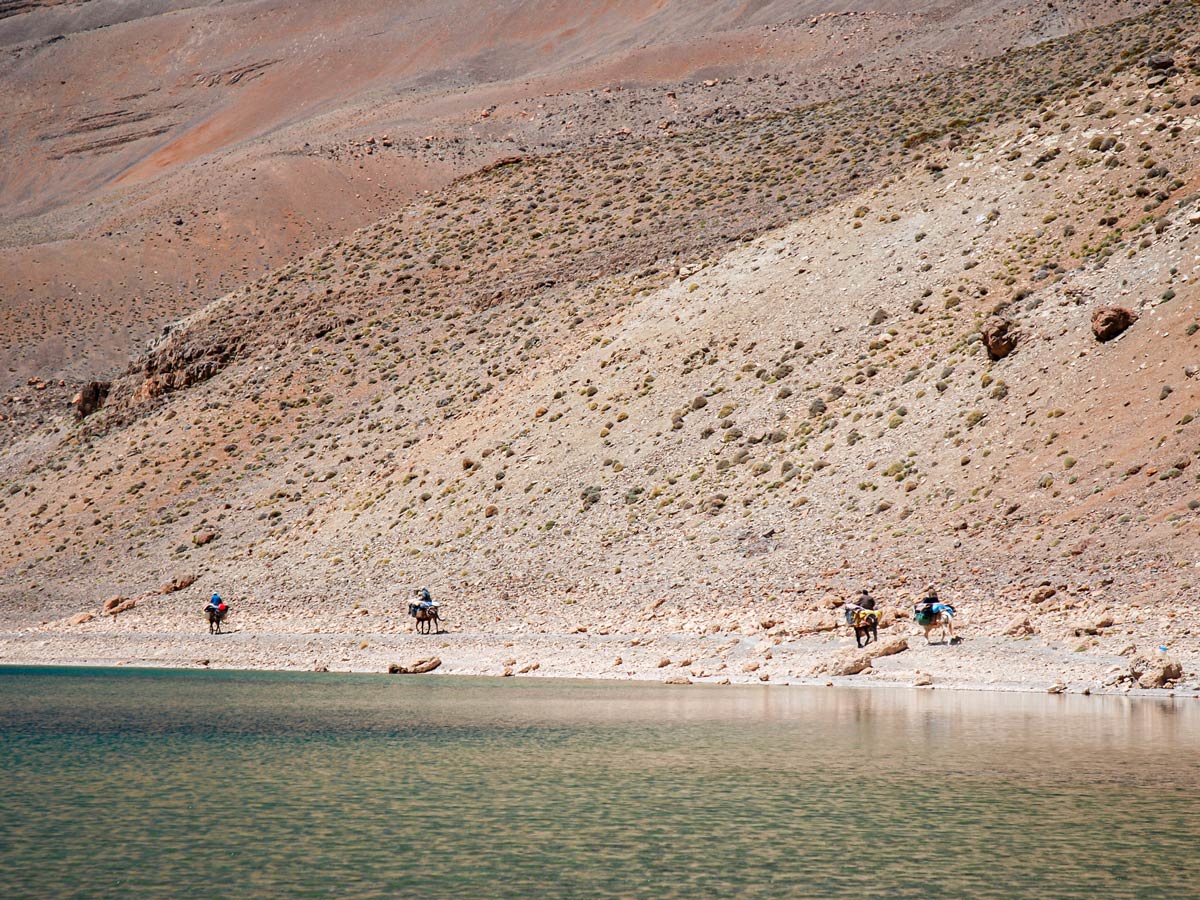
pixel 215 611
pixel 425 610
pixel 422 600
pixel 930 612
pixel 862 617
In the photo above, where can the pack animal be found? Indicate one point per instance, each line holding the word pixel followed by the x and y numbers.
pixel 426 617
pixel 865 623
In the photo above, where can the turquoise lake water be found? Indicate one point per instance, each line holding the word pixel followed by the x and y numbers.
pixel 148 784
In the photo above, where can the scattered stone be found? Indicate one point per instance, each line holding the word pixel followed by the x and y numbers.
pixel 80 618
pixel 201 538
pixel 1057 688
pixel 923 679
pixel 1110 321
pixel 419 667
pixel 677 678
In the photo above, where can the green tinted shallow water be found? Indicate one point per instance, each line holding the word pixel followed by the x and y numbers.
pixel 135 784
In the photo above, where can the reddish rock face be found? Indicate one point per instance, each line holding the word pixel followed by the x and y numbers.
pixel 90 398
pixel 1000 337
pixel 1110 321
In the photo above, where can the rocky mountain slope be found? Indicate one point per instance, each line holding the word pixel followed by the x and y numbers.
pixel 160 154
pixel 689 384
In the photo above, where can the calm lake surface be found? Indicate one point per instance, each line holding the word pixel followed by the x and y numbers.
pixel 141 783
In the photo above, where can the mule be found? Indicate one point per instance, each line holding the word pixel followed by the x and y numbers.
pixel 215 618
pixel 427 617
pixel 941 619
pixel 865 623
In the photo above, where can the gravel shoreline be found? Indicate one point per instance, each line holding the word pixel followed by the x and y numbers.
pixel 977 664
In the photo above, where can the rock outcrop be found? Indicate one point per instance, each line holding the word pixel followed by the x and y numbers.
pixel 90 398
pixel 1000 337
pixel 1019 627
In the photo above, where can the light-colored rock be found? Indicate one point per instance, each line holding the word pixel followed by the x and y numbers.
pixel 851 662
pixel 416 668
pixel 1156 672
pixel 1019 627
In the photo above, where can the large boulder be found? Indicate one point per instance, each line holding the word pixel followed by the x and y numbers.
pixel 1110 321
pixel 1019 627
pixel 1155 672
pixel 851 662
pixel 1000 337
pixel 178 583
pixel 112 603
pixel 114 606
pixel 90 398
pixel 419 667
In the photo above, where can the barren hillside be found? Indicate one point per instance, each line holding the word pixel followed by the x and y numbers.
pixel 159 154
pixel 697 382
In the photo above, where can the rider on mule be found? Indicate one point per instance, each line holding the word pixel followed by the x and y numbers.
pixel 217 605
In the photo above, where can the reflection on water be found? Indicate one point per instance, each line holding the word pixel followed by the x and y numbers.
pixel 249 785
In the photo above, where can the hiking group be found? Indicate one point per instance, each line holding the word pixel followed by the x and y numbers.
pixel 929 613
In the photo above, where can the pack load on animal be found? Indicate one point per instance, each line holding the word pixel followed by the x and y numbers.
pixel 927 613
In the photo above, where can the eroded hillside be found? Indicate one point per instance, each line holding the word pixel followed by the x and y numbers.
pixel 708 380
pixel 159 154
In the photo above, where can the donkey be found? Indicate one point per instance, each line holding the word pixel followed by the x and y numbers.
pixel 215 617
pixel 865 623
pixel 943 619
pixel 426 616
